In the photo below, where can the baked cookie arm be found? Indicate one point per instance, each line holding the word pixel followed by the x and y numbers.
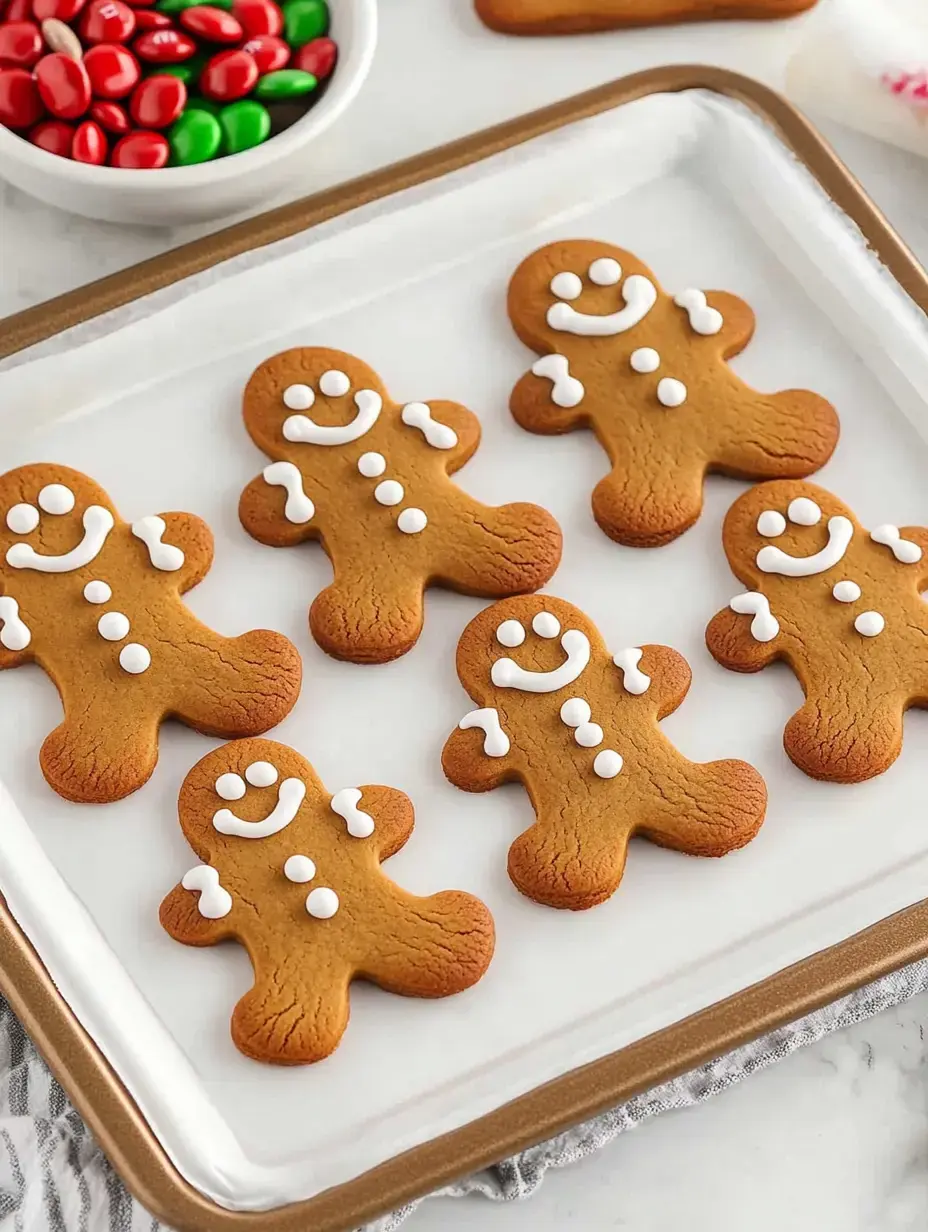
pixel 919 535
pixel 730 642
pixel 493 552
pixel 573 864
pixel 705 810
pixel 371 613
pixel 392 814
pixel 466 763
pixel 533 408
pixel 785 435
pixel 195 539
pixel 103 751
pixel 434 946
pixel 463 423
pixel 261 511
pixel 180 917
pixel 848 734
pixel 670 678
pixel 294 1014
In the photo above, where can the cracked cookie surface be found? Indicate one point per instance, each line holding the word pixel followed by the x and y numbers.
pixel 578 727
pixel 580 16
pixel 293 874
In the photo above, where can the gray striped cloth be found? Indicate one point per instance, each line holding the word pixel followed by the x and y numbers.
pixel 54 1177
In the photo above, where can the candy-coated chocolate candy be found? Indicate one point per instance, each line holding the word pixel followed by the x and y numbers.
pixel 141 150
pixel 195 138
pixel 269 52
pixel 317 57
pixel 178 6
pixel 53 135
pixel 19 10
pixel 285 83
pixel 228 76
pixel 113 70
pixel 165 46
pixel 151 19
pixel 207 22
pixel 110 116
pixel 64 10
pixel 20 103
pixel 157 101
pixel 203 104
pixel 305 20
pixel 59 37
pixel 244 124
pixel 90 144
pixel 64 85
pixel 258 17
pixel 183 72
pixel 20 44
pixel 107 21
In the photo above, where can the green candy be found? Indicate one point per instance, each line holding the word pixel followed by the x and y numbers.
pixel 285 83
pixel 303 20
pixel 203 104
pixel 194 138
pixel 244 124
pixel 188 72
pixel 177 6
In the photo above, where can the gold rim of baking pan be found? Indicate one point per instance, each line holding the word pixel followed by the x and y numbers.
pixel 84 1072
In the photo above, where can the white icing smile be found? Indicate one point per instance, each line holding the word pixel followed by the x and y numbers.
pixel 98 522
pixel 303 430
pixel 771 559
pixel 507 674
pixel 290 796
pixel 640 296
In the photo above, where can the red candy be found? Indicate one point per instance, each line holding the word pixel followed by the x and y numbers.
pixel 214 25
pixel 20 43
pixel 258 17
pixel 54 136
pixel 19 10
pixel 110 116
pixel 317 57
pixel 149 19
pixel 165 46
pixel 228 76
pixel 268 52
pixel 107 21
pixel 64 10
pixel 113 70
pixel 90 144
pixel 64 85
pixel 141 150
pixel 20 104
pixel 157 101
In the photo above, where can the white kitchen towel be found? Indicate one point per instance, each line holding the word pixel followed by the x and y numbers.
pixel 54 1177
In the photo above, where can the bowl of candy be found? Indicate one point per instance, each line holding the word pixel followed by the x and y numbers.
pixel 172 111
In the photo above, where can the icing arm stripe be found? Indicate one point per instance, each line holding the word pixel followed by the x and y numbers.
pixel 635 681
pixel 566 390
pixel 98 522
pixel 496 742
pixel 162 555
pixel 439 435
pixel 302 429
pixel 14 635
pixel 771 559
pixel 904 550
pixel 289 798
pixel 764 626
pixel 345 803
pixel 703 319
pixel 640 296
pixel 214 902
pixel 299 508
pixel 507 674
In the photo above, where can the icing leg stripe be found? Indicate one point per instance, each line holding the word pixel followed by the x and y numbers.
pixel 840 532
pixel 289 798
pixel 764 626
pixel 299 508
pixel 635 681
pixel 302 429
pixel 496 742
pixel 640 296
pixel 98 522
pixel 507 674
pixel 345 803
pixel 438 435
pixel 14 635
pixel 566 390
pixel 214 901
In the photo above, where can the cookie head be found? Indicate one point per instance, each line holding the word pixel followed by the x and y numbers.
pixel 52 520
pixel 311 396
pixel 579 289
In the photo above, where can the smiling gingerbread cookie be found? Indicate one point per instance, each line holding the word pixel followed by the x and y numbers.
pixel 293 873
pixel 96 603
pixel 646 372
pixel 369 478
pixel 842 606
pixel 582 16
pixel 578 726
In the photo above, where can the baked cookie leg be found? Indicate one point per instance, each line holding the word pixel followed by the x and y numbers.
pixel 371 615
pixel 829 738
pixel 287 1019
pixel 652 503
pixel 566 863
pixel 101 751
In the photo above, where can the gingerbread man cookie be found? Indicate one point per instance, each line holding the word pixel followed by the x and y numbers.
pixel 842 606
pixel 583 16
pixel 369 478
pixel 578 726
pixel 646 371
pixel 294 875
pixel 96 602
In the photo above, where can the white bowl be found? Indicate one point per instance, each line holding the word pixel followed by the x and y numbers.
pixel 203 191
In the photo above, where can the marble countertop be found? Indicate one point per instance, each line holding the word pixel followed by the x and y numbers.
pixel 835 1139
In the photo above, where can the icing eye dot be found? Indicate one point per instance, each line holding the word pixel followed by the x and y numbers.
pixel 322 903
pixel 114 626
pixel 334 383
pixel 411 521
pixel 588 735
pixel 97 592
pixel 389 492
pixel 372 464
pixel 299 869
pixel 869 624
pixel 510 633
pixel 605 272
pixel 22 519
pixel 771 523
pixel 298 397
pixel 230 787
pixel 56 498
pixel 607 764
pixel 575 712
pixel 645 359
pixel 846 592
pixel 566 285
pixel 804 512
pixel 546 625
pixel 261 774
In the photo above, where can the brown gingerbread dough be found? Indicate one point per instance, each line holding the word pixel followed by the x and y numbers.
pixel 369 479
pixel 585 16
pixel 96 603
pixel 648 375
pixel 294 875
pixel 579 728
pixel 842 607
